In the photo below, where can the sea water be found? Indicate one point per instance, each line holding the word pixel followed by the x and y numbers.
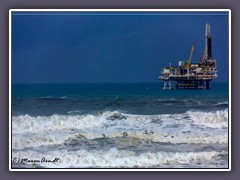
pixel 119 125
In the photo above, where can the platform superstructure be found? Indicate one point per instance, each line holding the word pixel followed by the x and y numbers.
pixel 189 75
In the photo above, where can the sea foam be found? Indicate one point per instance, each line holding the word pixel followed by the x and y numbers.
pixel 27 123
pixel 121 158
pixel 216 119
pixel 190 127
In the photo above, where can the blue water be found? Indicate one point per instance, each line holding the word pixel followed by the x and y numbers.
pixel 145 98
pixel 165 128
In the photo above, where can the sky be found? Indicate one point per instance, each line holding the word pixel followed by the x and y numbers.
pixel 77 47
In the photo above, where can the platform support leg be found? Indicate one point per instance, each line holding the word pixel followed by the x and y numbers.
pixel 165 85
pixel 171 84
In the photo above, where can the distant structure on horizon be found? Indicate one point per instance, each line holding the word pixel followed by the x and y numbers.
pixel 192 75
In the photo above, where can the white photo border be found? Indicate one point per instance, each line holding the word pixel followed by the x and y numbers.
pixel 117 10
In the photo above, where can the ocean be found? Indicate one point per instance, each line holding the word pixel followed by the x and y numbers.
pixel 119 125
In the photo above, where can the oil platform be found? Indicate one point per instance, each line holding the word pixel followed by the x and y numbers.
pixel 192 75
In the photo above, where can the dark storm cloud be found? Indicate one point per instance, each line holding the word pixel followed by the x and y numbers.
pixel 90 47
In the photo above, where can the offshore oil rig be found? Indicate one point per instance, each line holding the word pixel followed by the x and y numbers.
pixel 192 75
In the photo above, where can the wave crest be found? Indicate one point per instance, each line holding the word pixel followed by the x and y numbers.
pixel 30 124
pixel 26 123
pixel 218 119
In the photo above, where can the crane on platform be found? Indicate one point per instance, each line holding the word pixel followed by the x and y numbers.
pixel 188 64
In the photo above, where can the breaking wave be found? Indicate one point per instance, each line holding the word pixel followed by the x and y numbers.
pixel 217 119
pixel 121 158
pixel 38 131
pixel 27 123
pixel 189 127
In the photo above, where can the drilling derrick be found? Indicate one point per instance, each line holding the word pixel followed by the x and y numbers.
pixel 208 44
pixel 192 75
